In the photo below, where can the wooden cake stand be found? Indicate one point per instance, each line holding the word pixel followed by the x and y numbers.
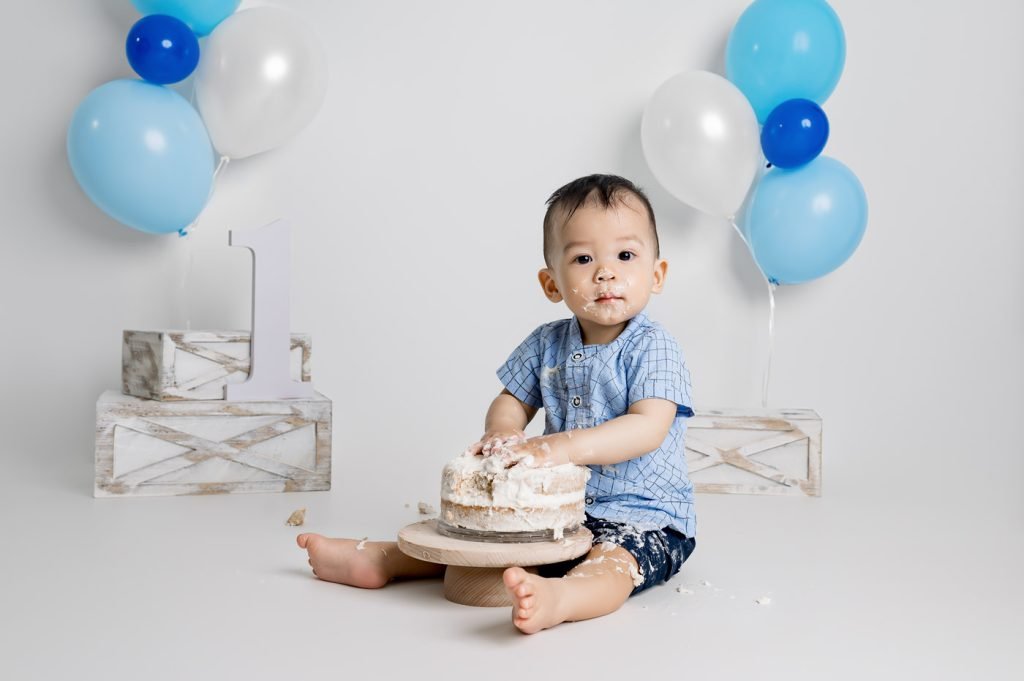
pixel 473 575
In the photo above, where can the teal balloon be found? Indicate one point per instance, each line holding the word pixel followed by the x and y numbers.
pixel 202 16
pixel 806 222
pixel 785 49
pixel 141 153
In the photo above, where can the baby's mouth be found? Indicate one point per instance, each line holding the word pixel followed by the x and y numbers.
pixel 607 297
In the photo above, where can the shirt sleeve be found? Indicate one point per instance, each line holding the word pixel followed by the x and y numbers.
pixel 659 370
pixel 520 374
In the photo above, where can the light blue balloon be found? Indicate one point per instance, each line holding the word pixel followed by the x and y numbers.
pixel 785 49
pixel 202 16
pixel 806 222
pixel 142 154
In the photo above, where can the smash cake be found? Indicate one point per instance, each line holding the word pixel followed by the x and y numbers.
pixel 486 496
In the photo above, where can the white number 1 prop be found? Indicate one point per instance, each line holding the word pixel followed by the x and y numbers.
pixel 270 349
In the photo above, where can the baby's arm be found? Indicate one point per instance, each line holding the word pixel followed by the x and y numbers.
pixel 639 431
pixel 504 423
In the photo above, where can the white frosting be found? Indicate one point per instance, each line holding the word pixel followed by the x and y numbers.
pixel 479 492
pixel 515 487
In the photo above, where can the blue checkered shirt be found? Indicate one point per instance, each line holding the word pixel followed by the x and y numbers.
pixel 581 386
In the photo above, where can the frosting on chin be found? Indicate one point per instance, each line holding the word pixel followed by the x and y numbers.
pixel 480 493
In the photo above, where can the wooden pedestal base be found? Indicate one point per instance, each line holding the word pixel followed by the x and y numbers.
pixel 475 586
pixel 473 575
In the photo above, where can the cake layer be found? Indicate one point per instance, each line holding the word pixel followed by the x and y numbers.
pixel 494 519
pixel 480 493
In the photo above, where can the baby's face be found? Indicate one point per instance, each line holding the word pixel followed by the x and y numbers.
pixel 603 265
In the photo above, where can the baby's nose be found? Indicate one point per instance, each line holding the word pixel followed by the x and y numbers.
pixel 604 274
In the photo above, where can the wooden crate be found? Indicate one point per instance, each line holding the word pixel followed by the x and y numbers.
pixel 147 447
pixel 194 365
pixel 755 451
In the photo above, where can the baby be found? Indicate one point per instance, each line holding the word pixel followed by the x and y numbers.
pixel 615 394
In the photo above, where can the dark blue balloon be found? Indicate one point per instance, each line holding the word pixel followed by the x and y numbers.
pixel 794 133
pixel 162 49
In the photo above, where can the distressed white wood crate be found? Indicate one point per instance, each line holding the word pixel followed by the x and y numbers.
pixel 755 451
pixel 147 447
pixel 194 365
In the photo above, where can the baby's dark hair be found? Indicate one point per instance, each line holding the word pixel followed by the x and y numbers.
pixel 606 190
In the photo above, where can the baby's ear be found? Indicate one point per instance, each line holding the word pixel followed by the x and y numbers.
pixel 660 270
pixel 550 288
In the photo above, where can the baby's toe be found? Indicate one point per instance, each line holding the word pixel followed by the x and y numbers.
pixel 309 540
pixel 514 578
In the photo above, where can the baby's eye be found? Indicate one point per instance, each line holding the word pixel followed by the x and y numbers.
pixel 626 255
pixel 582 259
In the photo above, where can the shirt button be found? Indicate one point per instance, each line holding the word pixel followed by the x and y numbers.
pixel 577 356
pixel 590 500
pixel 576 401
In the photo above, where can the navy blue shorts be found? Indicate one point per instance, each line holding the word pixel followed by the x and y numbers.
pixel 658 553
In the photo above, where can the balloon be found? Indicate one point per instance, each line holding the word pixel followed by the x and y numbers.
pixel 742 218
pixel 804 223
pixel 162 49
pixel 785 49
pixel 261 79
pixel 700 138
pixel 202 16
pixel 794 133
pixel 141 153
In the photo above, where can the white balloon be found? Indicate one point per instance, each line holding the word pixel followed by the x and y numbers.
pixel 701 139
pixel 261 78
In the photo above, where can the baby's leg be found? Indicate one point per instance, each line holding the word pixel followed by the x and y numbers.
pixel 597 586
pixel 369 565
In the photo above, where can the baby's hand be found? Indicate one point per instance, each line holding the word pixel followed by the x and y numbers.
pixel 539 452
pixel 494 441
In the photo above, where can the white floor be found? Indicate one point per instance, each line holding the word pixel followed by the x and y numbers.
pixel 215 588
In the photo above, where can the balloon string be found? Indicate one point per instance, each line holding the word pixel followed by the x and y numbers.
pixel 771 315
pixel 224 160
pixel 184 283
pixel 771 341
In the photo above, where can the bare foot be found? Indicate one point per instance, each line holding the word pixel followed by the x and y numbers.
pixel 346 561
pixel 535 600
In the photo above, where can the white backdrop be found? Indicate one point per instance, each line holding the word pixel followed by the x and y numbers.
pixel 417 194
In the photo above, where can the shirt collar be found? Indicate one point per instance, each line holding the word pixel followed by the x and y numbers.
pixel 633 326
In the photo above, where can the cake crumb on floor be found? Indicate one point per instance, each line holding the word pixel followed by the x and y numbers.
pixel 296 518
